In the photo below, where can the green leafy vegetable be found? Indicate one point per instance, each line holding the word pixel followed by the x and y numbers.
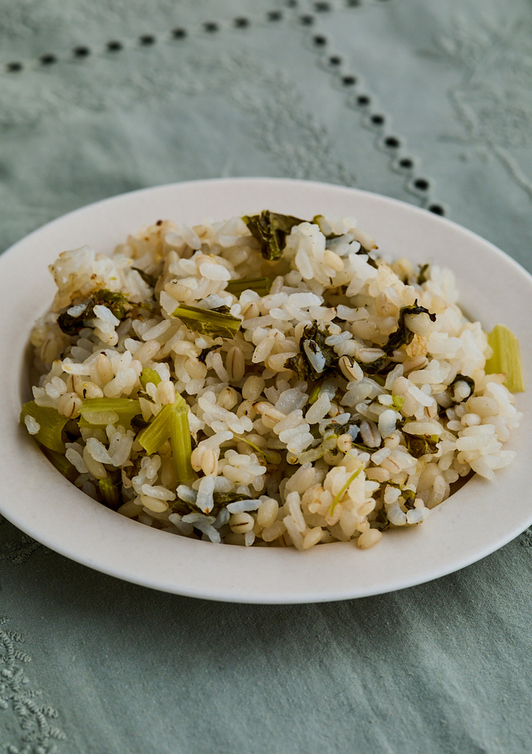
pixel 51 425
pixel 403 335
pixel 423 276
pixel 506 358
pixel 381 521
pixel 462 378
pixel 206 351
pixel 378 366
pixel 224 498
pixel 398 402
pixel 271 230
pixel 115 301
pixel 259 285
pixel 421 445
pixel 208 321
pixel 350 428
pixel 409 497
pixel 315 358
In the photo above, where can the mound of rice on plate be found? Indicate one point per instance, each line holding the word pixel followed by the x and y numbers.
pixel 264 380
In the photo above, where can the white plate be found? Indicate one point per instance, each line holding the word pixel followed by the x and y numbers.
pixel 477 520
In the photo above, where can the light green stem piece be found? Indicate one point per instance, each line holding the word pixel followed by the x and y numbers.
pixel 208 322
pixel 171 423
pixel 506 358
pixel 259 285
pixel 51 425
pixel 99 412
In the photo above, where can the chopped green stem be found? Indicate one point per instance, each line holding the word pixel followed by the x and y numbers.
pixel 259 285
pixel 102 411
pixel 208 322
pixel 149 375
pixel 51 425
pixel 171 423
pixel 109 493
pixel 181 444
pixel 506 358
pixel 340 495
pixel 157 432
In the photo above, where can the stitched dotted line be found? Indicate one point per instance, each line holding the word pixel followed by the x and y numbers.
pixel 359 100
pixel 390 143
pixel 81 52
pixel 115 46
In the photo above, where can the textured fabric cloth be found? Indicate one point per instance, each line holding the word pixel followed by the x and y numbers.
pixel 427 102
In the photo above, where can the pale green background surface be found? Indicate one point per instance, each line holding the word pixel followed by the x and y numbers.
pixel 90 664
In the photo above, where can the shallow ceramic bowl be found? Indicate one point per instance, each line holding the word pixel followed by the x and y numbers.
pixel 478 519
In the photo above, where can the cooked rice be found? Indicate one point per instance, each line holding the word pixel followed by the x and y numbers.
pixel 280 460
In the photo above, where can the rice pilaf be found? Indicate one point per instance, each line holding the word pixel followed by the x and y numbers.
pixel 264 380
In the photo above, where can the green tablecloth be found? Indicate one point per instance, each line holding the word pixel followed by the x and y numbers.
pixel 427 102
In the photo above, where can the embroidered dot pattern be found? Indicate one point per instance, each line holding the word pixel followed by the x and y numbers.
pixel 48 59
pixel 81 52
pixel 333 62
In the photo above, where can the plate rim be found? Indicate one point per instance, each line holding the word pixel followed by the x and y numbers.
pixel 234 593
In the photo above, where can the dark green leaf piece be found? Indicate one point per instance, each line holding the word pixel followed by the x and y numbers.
pixel 421 445
pixel 206 351
pixel 409 497
pixel 403 336
pixel 462 378
pixel 271 230
pixel 407 494
pixel 378 366
pixel 381 521
pixel 224 498
pixel 423 276
pixel 315 357
pixel 115 301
